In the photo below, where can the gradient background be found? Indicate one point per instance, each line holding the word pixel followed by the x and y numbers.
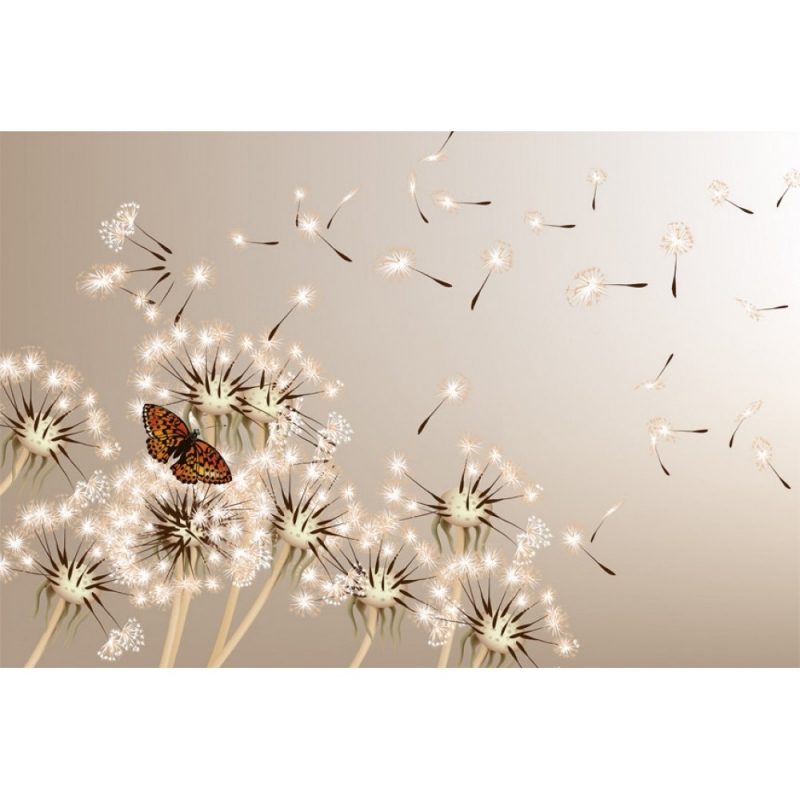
pixel 706 560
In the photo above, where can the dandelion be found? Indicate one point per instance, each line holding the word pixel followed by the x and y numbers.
pixel 40 432
pixel 719 194
pixel 453 391
pixel 656 383
pixel 754 312
pixel 499 630
pixel 590 286
pixel 240 241
pixel 308 223
pixel 301 297
pixel 762 450
pixel 198 276
pixel 536 224
pixel 572 537
pixel 439 155
pixel 400 263
pixel 497 259
pixel 746 414
pixel 792 181
pixel 597 177
pixel 445 200
pixel 346 199
pixel 678 240
pixel 659 429
pixel 412 188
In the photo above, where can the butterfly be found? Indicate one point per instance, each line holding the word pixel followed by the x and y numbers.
pixel 168 437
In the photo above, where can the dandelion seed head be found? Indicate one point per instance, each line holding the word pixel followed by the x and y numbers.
pixel 200 275
pixel 535 221
pixel 754 407
pixel 750 309
pixel 678 239
pixel 719 192
pixel 792 178
pixel 445 200
pixel 762 451
pixel 498 258
pixel 597 177
pixel 309 224
pixel 588 288
pixel 454 390
pixel 398 264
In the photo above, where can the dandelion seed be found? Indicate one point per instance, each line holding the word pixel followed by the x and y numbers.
pixel 412 188
pixel 597 178
pixel 439 155
pixel 198 276
pixel 445 200
pixel 590 285
pixel 453 391
pixel 400 263
pixel 656 383
pixel 746 414
pixel 346 199
pixel 301 297
pixel 240 241
pixel 677 240
pixel 536 224
pixel 792 181
pixel 754 312
pixel 572 537
pixel 762 450
pixel 659 429
pixel 719 194
pixel 308 224
pixel 497 259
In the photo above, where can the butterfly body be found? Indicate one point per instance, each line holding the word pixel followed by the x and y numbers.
pixel 169 439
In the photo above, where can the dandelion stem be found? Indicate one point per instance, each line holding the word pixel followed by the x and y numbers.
pixel 746 210
pixel 594 197
pixel 366 642
pixel 328 226
pixel 488 203
pixel 254 611
pixel 186 599
pixel 153 238
pixel 183 307
pixel 480 656
pixel 730 443
pixel 47 635
pixel 782 196
pixel 666 471
pixel 700 430
pixel 270 244
pixel 773 308
pixel 147 249
pixel 547 225
pixel 425 421
pixel 604 568
pixel 629 285
pixel 458 589
pixel 280 322
pixel 174 619
pixel 779 477
pixel 675 278
pixel 16 468
pixel 441 283
pixel 665 366
pixel 475 299
pixel 424 218
pixel 338 252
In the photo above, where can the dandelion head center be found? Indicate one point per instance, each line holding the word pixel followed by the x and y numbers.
pixel 497 635
pixel 298 529
pixel 378 592
pixel 69 584
pixel 39 436
pixel 217 397
pixel 462 508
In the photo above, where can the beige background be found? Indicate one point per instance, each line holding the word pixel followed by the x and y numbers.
pixel 707 559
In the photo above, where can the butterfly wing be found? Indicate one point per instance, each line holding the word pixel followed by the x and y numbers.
pixel 203 463
pixel 165 431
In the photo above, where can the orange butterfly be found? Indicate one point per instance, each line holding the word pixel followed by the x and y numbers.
pixel 169 437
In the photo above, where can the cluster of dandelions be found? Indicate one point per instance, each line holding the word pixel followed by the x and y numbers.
pixel 47 415
pixel 229 385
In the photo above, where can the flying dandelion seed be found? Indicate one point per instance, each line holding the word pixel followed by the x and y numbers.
pixel 719 192
pixel 497 259
pixel 445 200
pixel 299 195
pixel 308 224
pixel 536 224
pixel 656 383
pixel 104 280
pixel 302 297
pixel 453 391
pixel 590 286
pixel 659 429
pixel 240 241
pixel 678 240
pixel 439 155
pixel 412 188
pixel 746 414
pixel 754 312
pixel 597 178
pixel 762 450
pixel 572 537
pixel 198 276
pixel 346 199
pixel 616 507
pixel 400 263
pixel 792 181
pixel 127 214
pixel 119 230
pixel 40 432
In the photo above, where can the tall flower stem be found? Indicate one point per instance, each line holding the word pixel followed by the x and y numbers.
pixel 47 635
pixel 372 623
pixel 186 599
pixel 233 595
pixel 22 457
pixel 458 589
pixel 255 609
pixel 480 655
pixel 174 620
